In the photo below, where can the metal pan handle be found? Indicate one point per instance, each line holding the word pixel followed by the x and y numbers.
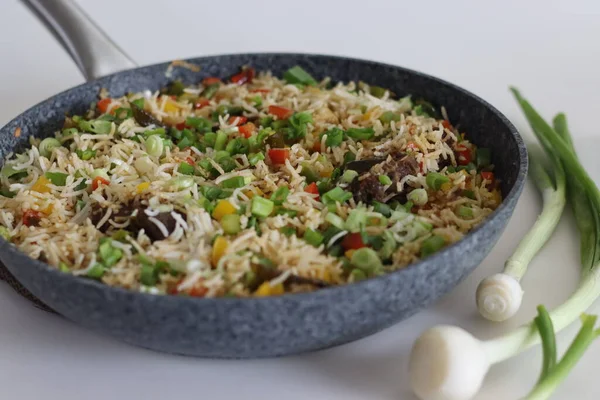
pixel 92 50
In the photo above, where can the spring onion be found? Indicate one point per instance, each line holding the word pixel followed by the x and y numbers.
pixel 298 75
pixel 221 140
pixel 181 182
pixel 367 260
pixel 389 116
pixel 431 245
pixel 357 275
pixel 261 207
pixel 97 126
pixel 86 154
pixel 348 176
pixel 335 220
pixel 155 146
pixel 254 158
pixel 499 296
pixel 335 137
pixel 447 362
pixel 96 272
pixel 186 169
pixel 313 237
pixel 100 172
pixel 465 212
pixel 47 146
pixel 360 133
pixel 233 183
pixel 385 180
pixel 231 224
pixel 5 233
pixel 435 180
pixel 57 178
pixel 336 194
pixel 280 195
pixel 418 196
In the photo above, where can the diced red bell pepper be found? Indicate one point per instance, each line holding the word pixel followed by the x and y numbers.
pixel 353 241
pixel 246 76
pixel 280 112
pixel 247 130
pixel 99 180
pixel 237 120
pixel 198 291
pixel 210 81
pixel 103 105
pixel 465 155
pixel 488 176
pixel 181 126
pixel 202 102
pixel 31 217
pixel 312 189
pixel 446 124
pixel 316 146
pixel 278 156
pixel 190 160
pixel 260 91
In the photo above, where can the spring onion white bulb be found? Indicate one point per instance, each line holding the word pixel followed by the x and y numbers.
pixel 418 196
pixel 499 296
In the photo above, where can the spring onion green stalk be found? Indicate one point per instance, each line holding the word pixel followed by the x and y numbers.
pixel 449 363
pixel 499 296
pixel 155 146
pixel 553 372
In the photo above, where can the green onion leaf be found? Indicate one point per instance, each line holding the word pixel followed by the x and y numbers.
pixel 385 180
pixel 298 75
pixel 233 183
pixel 261 207
pixel 435 180
pixel 280 195
pixel 57 178
pixel 313 237
pixel 360 133
pixel 186 169
pixel 431 245
pixel 231 224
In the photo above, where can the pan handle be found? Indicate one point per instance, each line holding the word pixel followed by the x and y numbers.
pixel 92 50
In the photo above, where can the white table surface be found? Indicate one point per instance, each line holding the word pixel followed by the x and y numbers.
pixel 547 48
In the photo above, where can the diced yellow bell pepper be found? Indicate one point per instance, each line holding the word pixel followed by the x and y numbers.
pixel 446 186
pixel 497 196
pixel 223 208
pixel 41 185
pixel 219 248
pixel 265 289
pixel 326 172
pixel 349 253
pixel 171 106
pixel 48 209
pixel 251 193
pixel 142 187
pixel 326 275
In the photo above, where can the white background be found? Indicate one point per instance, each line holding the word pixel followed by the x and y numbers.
pixel 549 49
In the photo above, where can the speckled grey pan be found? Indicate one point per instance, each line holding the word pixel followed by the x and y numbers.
pixel 288 324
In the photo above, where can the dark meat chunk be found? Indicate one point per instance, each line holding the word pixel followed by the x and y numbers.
pixel 396 167
pixel 362 166
pixel 143 117
pixel 142 221
pixel 120 216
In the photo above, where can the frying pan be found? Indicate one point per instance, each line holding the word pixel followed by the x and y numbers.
pixel 253 327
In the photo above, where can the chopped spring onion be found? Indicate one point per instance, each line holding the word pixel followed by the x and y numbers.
pixel 465 212
pixel 357 219
pixel 313 237
pixel 389 116
pixel 288 230
pixel 181 182
pixel 360 133
pixel 85 155
pixel 382 209
pixel 483 157
pixel 221 140
pixel 57 178
pixel 348 176
pixel 385 180
pixel 100 172
pixel 231 224
pixel 5 233
pixel 357 275
pixel 8 171
pixel 261 207
pixel 199 123
pixel 431 245
pixel 418 196
pixel 336 194
pixel 435 180
pixel 335 220
pixel 97 126
pixel 155 146
pixel 460 355
pixel 186 169
pixel 47 146
pixel 280 195
pixel 254 158
pixel 335 137
pixel 298 75
pixel 233 183
pixel 109 254
pixel 367 260
pixel 499 296
pixel 96 272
